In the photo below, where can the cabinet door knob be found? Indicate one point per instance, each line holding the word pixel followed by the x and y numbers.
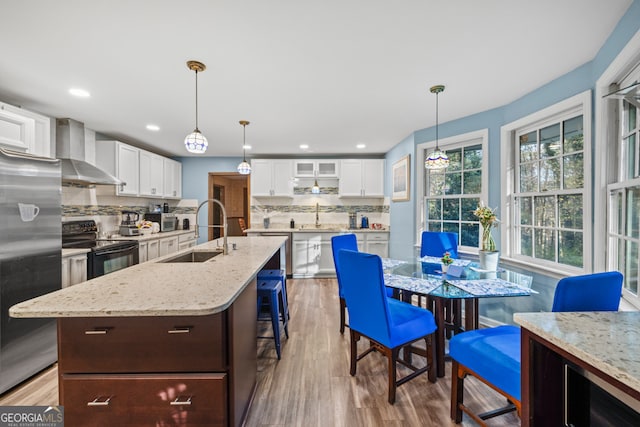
pixel 181 400
pixel 100 401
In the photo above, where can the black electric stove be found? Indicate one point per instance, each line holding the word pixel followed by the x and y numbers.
pixel 105 256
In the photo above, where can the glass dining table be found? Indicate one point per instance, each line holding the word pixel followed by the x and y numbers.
pixel 446 294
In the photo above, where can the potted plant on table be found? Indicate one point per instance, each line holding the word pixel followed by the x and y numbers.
pixel 488 253
pixel 446 261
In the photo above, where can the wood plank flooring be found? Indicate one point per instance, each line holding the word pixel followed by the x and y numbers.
pixel 311 385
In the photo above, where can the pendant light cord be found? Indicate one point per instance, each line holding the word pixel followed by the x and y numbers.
pixel 437 93
pixel 197 100
pixel 244 142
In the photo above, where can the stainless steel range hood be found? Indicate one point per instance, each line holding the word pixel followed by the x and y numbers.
pixel 70 149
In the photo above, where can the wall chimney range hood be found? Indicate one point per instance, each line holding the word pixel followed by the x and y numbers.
pixel 70 149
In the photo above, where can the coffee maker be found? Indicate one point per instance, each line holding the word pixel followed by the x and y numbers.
pixel 128 224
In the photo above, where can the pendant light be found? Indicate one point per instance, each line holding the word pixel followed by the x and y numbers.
pixel 316 188
pixel 244 168
pixel 437 159
pixel 195 142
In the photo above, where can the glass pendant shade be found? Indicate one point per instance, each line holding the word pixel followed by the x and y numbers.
pixel 196 143
pixel 316 188
pixel 437 159
pixel 244 168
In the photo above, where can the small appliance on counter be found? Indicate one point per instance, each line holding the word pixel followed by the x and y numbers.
pixel 185 224
pixel 167 221
pixel 364 222
pixel 353 221
pixel 129 224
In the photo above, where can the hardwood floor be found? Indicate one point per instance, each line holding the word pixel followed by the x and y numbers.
pixel 311 386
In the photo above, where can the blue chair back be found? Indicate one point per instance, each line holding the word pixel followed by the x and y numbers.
pixel 342 241
pixel 436 243
pixel 590 292
pixel 365 293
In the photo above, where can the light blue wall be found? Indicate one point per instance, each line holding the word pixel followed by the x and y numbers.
pixel 195 177
pixel 579 80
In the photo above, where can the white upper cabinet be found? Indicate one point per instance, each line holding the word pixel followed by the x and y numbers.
pixel 151 174
pixel 121 160
pixel 316 168
pixel 172 178
pixel 24 130
pixel 271 177
pixel 361 178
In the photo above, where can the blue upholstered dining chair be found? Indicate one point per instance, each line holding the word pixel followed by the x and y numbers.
pixel 389 324
pixel 492 355
pixel 436 243
pixel 344 241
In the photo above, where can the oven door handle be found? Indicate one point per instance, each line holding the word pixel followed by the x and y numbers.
pixel 114 251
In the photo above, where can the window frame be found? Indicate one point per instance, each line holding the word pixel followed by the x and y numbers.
pixel 509 151
pixel 478 137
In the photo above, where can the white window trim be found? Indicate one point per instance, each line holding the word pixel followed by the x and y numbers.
pixel 581 103
pixel 449 143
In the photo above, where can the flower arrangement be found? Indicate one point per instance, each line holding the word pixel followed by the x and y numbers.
pixel 446 259
pixel 488 220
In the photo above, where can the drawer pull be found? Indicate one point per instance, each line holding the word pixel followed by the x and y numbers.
pixel 180 330
pixel 180 400
pixel 97 331
pixel 100 401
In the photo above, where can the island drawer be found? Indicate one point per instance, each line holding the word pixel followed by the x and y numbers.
pixel 142 344
pixel 187 400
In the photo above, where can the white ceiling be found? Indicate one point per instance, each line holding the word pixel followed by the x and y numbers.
pixel 328 73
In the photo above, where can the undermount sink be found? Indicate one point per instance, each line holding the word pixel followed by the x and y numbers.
pixel 194 256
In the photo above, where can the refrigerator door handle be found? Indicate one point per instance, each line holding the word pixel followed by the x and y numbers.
pixel 28 156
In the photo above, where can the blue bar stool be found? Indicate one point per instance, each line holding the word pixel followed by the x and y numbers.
pixel 280 275
pixel 270 293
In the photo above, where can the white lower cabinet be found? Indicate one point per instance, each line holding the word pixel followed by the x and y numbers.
pixel 74 269
pixel 186 241
pixel 168 245
pixel 313 257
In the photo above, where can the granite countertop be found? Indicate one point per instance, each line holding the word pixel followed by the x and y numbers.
pixel 161 289
pixel 608 341
pixel 311 228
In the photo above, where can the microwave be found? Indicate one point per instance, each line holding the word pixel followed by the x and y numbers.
pixel 167 221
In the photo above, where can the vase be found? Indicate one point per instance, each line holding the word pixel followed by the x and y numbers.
pixel 444 268
pixel 489 260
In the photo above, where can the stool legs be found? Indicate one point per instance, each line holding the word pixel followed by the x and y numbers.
pixel 272 292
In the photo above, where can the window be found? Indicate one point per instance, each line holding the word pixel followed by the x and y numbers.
pixel 624 194
pixel 451 195
pixel 549 197
pixel 545 172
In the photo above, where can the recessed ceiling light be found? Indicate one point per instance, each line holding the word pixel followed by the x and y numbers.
pixel 246 147
pixel 361 146
pixel 80 93
pixel 304 146
pixel 154 128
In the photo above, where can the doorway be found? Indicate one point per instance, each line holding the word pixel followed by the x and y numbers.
pixel 232 189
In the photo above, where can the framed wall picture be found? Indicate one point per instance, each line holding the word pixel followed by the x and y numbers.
pixel 401 175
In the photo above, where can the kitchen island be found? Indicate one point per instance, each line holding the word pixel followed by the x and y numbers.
pixel 161 342
pixel 580 368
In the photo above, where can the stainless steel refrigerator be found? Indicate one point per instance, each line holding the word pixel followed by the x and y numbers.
pixel 30 260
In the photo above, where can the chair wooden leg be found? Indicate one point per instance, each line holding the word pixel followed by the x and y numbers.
pixel 392 357
pixel 343 309
pixel 431 357
pixel 457 392
pixel 354 350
